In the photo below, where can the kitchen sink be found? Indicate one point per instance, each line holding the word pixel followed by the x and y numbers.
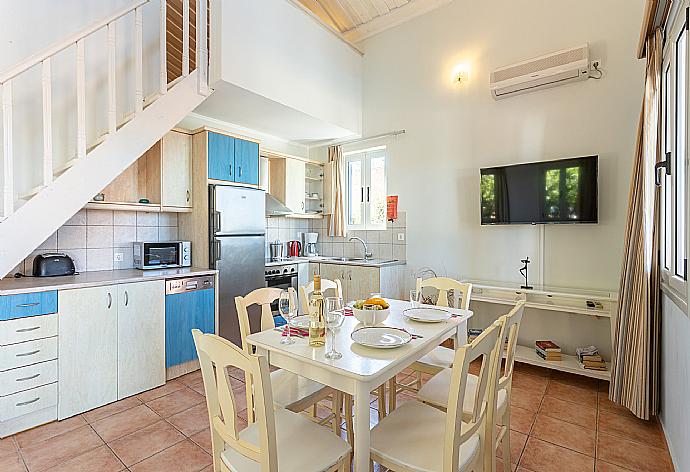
pixel 360 259
pixel 346 259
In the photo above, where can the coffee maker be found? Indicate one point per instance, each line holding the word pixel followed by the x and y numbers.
pixel 310 249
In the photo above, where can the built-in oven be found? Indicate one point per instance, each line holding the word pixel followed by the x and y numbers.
pixel 281 276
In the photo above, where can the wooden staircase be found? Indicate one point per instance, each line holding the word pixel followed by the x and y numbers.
pixel 27 219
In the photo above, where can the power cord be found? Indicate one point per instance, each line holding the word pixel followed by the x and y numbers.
pixel 595 67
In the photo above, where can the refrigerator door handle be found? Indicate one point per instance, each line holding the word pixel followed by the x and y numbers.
pixel 216 250
pixel 216 221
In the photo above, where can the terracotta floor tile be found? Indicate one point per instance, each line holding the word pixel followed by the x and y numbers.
pixel 517 444
pixel 541 456
pixel 574 380
pixel 526 399
pixel 532 370
pixel 564 434
pixel 236 373
pixel 521 420
pixel 146 442
pixel 530 382
pixel 191 421
pixel 100 459
pixel 199 388
pixel 11 462
pixel 203 440
pixel 634 429
pixel 125 422
pixel 109 410
pixel 42 455
pixel 571 412
pixel 582 396
pixel 8 446
pixel 49 431
pixel 499 465
pixel 170 387
pixel 602 466
pixel 178 401
pixel 604 386
pixel 632 455
pixel 190 378
pixel 182 457
pixel 608 405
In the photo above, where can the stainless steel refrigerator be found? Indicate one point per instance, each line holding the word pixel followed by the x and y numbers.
pixel 238 248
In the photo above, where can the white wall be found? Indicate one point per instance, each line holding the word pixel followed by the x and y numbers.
pixel 675 381
pixel 273 49
pixel 30 28
pixel 453 130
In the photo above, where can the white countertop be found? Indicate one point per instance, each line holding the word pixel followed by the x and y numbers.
pixel 330 260
pixel 11 286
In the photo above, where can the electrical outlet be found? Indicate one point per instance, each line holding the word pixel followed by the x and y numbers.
pixel 119 257
pixel 401 236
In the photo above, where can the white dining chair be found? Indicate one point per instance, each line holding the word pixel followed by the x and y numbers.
pixel 278 439
pixel 440 357
pixel 418 437
pixel 435 391
pixel 337 288
pixel 290 391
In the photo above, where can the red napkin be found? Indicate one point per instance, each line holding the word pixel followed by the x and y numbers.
pixel 347 311
pixel 295 332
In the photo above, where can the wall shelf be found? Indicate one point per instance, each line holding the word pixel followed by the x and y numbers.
pixel 568 363
pixel 124 206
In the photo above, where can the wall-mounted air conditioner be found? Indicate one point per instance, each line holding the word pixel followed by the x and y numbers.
pixel 546 71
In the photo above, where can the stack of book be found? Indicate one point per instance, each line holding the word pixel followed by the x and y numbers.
pixel 548 350
pixel 472 334
pixel 590 359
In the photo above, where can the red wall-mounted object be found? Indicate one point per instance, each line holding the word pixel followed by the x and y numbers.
pixel 392 207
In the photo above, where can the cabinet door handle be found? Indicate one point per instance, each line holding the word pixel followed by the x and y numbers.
pixel 230 167
pixel 26 305
pixel 28 402
pixel 26 330
pixel 126 298
pixel 368 191
pixel 31 353
pixel 24 379
pixel 239 170
pixel 110 300
pixel 188 196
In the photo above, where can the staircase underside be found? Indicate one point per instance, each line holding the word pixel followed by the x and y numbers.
pixel 44 213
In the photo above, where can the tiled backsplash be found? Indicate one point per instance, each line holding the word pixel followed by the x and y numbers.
pixel 284 229
pixel 383 244
pixel 93 237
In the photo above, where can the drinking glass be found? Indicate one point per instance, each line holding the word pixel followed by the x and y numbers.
pixel 414 299
pixel 287 307
pixel 334 320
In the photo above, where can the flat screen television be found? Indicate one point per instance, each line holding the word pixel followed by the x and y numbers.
pixel 561 191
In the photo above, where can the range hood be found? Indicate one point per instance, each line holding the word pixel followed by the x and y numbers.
pixel 275 207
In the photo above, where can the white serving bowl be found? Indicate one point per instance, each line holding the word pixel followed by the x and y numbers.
pixel 371 317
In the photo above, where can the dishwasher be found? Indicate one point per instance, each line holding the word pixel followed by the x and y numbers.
pixel 189 303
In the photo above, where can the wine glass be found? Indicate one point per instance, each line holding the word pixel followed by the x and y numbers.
pixel 334 320
pixel 287 307
pixel 414 298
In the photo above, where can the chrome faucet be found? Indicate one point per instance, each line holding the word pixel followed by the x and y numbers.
pixel 367 254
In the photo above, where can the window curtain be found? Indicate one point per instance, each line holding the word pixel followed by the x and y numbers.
pixel 336 221
pixel 636 330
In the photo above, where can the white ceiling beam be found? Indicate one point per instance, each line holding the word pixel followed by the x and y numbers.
pixel 392 19
pixel 339 14
pixel 380 6
pixel 357 10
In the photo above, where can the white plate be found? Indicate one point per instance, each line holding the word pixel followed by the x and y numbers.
pixel 381 337
pixel 301 322
pixel 427 315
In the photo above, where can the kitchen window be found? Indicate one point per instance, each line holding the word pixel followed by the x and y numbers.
pixel 674 195
pixel 365 175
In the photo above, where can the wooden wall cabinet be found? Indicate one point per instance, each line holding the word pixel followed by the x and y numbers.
pixel 287 182
pixel 176 170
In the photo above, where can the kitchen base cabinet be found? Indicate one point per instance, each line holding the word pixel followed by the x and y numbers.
pixel 360 281
pixel 140 337
pixel 87 365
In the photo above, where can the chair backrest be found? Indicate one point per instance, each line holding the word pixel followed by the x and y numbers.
pixel 326 284
pixel 262 297
pixel 216 355
pixel 487 348
pixel 510 330
pixel 444 285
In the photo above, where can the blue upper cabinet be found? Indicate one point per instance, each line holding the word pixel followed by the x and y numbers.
pixel 221 157
pixel 246 162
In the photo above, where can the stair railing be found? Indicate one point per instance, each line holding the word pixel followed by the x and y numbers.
pixel 44 59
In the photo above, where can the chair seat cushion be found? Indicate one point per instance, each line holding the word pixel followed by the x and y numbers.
pixel 301 445
pixel 413 436
pixel 436 391
pixel 441 357
pixel 289 388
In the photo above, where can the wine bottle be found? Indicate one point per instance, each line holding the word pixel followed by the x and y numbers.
pixel 317 320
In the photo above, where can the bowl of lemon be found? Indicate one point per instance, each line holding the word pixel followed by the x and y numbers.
pixel 371 312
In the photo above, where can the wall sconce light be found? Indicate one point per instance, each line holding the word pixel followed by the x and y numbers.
pixel 461 73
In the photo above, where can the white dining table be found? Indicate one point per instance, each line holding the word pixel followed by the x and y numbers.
pixel 361 369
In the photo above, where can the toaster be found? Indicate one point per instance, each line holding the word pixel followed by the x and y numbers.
pixel 53 264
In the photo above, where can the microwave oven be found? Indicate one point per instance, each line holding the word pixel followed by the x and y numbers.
pixel 162 255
